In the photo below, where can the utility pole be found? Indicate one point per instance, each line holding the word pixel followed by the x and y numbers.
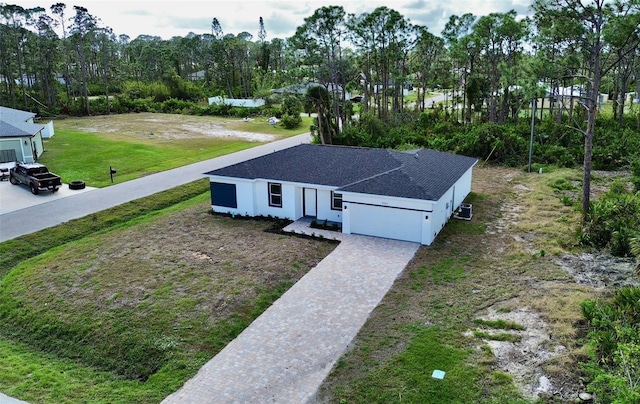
pixel 534 102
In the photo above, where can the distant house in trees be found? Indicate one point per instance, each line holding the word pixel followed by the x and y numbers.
pixel 302 88
pixel 195 76
pixel 237 102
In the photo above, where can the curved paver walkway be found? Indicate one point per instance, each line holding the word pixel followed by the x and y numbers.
pixel 42 216
pixel 286 353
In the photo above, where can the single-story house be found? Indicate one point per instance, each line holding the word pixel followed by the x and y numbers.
pixel 376 192
pixel 199 75
pixel 302 88
pixel 237 102
pixel 20 136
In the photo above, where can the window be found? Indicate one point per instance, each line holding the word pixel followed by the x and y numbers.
pixel 275 194
pixel 336 201
pixel 224 195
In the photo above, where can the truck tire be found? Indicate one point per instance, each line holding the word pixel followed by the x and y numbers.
pixel 77 185
pixel 54 189
pixel 13 180
pixel 34 190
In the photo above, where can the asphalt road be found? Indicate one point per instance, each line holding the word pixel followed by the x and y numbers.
pixel 30 219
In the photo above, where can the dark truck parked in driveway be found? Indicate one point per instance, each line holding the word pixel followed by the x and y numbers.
pixel 36 176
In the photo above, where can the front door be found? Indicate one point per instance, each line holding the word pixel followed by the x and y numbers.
pixel 310 201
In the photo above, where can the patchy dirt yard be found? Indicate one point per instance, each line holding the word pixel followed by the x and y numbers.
pixel 521 265
pixel 216 262
pixel 173 289
pixel 166 126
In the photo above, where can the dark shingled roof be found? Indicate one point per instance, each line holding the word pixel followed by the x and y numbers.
pixel 13 123
pixel 425 174
pixel 12 130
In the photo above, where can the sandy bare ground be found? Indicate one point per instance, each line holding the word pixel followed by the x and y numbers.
pixel 165 126
pixel 539 363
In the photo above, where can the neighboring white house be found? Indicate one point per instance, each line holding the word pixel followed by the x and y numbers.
pixel 199 75
pixel 377 192
pixel 237 102
pixel 20 137
pixel 302 88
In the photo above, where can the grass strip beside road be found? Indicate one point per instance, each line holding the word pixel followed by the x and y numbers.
pixel 12 252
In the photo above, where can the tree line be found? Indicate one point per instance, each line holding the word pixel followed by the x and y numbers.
pixel 492 66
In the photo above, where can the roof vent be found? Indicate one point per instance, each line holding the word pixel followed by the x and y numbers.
pixel 416 155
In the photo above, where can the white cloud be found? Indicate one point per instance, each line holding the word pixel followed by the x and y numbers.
pixel 281 17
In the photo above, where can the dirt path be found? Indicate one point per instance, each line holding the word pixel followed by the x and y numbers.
pixel 542 362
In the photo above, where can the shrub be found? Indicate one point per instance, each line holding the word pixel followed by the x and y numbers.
pixel 635 175
pixel 290 121
pixel 291 105
pixel 613 345
pixel 612 221
pixel 271 111
pixel 618 187
pixel 172 105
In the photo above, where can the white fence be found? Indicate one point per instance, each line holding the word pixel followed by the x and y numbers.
pixel 237 102
pixel 48 132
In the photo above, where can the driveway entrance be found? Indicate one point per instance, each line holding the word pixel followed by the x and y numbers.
pixel 287 352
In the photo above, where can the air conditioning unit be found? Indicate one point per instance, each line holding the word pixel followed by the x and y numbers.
pixel 464 212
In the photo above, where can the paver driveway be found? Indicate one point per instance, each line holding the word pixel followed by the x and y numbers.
pixel 286 353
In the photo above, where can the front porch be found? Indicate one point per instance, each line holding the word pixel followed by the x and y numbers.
pixel 303 226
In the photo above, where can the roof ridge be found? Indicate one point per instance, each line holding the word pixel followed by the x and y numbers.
pixel 389 151
pixel 373 176
pixel 342 146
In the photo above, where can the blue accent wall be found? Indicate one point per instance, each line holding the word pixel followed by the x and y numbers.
pixel 224 195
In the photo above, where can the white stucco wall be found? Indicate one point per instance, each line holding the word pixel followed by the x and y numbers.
pixel 244 197
pixel 291 201
pixel 324 207
pixel 398 218
pixel 441 213
pixel 463 188
pixel 252 198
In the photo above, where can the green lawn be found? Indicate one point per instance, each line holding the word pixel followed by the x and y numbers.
pixel 78 156
pixel 83 149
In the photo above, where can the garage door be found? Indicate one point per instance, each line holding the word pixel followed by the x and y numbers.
pixel 381 221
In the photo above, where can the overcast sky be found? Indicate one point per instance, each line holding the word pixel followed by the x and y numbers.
pixel 167 19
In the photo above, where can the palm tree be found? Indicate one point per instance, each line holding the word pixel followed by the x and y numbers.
pixel 318 97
